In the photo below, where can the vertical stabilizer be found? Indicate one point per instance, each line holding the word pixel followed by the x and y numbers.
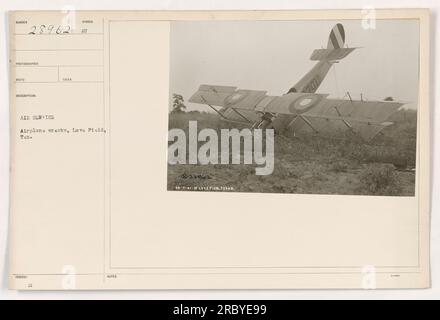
pixel 334 52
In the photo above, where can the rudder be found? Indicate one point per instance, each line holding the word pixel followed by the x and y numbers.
pixel 336 39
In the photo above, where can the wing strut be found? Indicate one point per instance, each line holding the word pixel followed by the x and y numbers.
pixel 242 116
pixel 309 123
pixel 343 120
pixel 220 114
pixel 291 122
pixel 206 102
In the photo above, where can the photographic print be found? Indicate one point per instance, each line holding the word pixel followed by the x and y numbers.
pixel 297 152
pixel 302 107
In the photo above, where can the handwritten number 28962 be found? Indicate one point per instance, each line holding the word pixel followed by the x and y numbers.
pixel 49 29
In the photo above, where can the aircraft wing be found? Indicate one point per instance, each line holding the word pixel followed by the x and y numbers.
pixel 327 116
pixel 304 111
pixel 213 95
pixel 237 105
pixel 367 118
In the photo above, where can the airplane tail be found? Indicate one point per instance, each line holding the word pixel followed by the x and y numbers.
pixel 335 46
pixel 334 52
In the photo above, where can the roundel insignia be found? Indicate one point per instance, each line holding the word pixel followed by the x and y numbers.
pixel 235 98
pixel 304 103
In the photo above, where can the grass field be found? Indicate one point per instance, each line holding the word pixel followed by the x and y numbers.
pixel 312 164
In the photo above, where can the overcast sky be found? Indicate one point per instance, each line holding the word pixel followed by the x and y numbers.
pixel 274 55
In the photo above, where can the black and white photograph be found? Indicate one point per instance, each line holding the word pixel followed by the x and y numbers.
pixel 221 151
pixel 299 107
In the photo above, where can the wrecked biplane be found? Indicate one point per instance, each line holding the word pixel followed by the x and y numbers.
pixel 301 109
